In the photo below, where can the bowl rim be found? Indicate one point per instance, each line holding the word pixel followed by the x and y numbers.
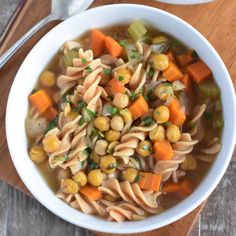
pixel 193 201
pixel 184 2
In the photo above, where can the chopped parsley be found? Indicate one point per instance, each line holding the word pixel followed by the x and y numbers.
pixel 92 164
pixel 81 105
pixel 87 151
pixel 113 110
pixel 81 121
pixel 133 96
pixel 122 42
pixel 51 125
pixel 33 91
pixel 151 72
pixel 88 69
pixel 192 125
pixel 207 115
pixel 121 78
pixel 168 123
pixel 90 113
pixel 147 120
pixel 137 179
pixel 84 60
pixel 166 84
pixel 107 71
pixel 57 158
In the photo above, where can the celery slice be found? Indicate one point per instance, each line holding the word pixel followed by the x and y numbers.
pixel 137 30
pixel 67 58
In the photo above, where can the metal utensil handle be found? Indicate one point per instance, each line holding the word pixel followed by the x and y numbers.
pixel 14 48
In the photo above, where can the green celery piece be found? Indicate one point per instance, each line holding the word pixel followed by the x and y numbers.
pixel 137 30
pixel 69 56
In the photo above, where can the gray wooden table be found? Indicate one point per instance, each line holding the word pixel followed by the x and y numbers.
pixel 21 215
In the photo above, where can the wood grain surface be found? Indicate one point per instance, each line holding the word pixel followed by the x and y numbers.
pixel 221 33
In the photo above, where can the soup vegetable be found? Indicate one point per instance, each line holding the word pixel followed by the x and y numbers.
pixel 124 122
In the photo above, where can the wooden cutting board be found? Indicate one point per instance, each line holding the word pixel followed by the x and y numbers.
pixel 217 21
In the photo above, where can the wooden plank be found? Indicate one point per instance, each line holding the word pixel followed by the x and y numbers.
pixel 205 19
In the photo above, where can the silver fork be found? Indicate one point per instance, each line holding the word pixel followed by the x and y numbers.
pixel 60 10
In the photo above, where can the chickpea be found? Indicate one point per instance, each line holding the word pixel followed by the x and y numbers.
pixel 117 123
pixel 161 114
pixel 108 164
pixel 190 163
pixel 157 134
pixel 69 186
pixel 112 135
pixel 121 100
pixel 160 62
pixel 144 148
pixel 63 174
pixel 123 75
pixel 51 143
pixel 95 177
pixel 173 133
pixel 95 157
pixel 37 154
pixel 159 39
pixel 126 115
pixel 130 174
pixel 101 147
pixel 111 146
pixel 102 123
pixel 80 178
pixel 164 91
pixel 48 78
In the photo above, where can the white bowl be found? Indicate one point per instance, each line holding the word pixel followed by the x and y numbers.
pixel 185 2
pixel 39 57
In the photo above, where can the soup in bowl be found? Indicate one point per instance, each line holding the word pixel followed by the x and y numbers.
pixel 123 119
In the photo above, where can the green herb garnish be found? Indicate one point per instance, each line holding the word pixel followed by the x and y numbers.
pixel 148 97
pixel 137 179
pixel 192 125
pixel 207 115
pixel 113 110
pixel 107 71
pixel 133 96
pixel 33 91
pixel 122 43
pixel 88 69
pixel 87 151
pixel 151 72
pixel 81 105
pixel 51 125
pixel 90 113
pixel 147 120
pixel 81 121
pixel 92 164
pixel 121 78
pixel 168 123
pixel 84 60
pixel 166 84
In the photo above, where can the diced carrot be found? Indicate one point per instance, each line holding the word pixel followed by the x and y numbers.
pixel 139 107
pixel 50 113
pixel 97 42
pixel 177 114
pixel 113 47
pixel 170 187
pixel 199 71
pixel 114 86
pixel 172 73
pixel 91 192
pixel 187 82
pixel 171 56
pixel 41 100
pixel 186 58
pixel 149 181
pixel 186 187
pixel 163 150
